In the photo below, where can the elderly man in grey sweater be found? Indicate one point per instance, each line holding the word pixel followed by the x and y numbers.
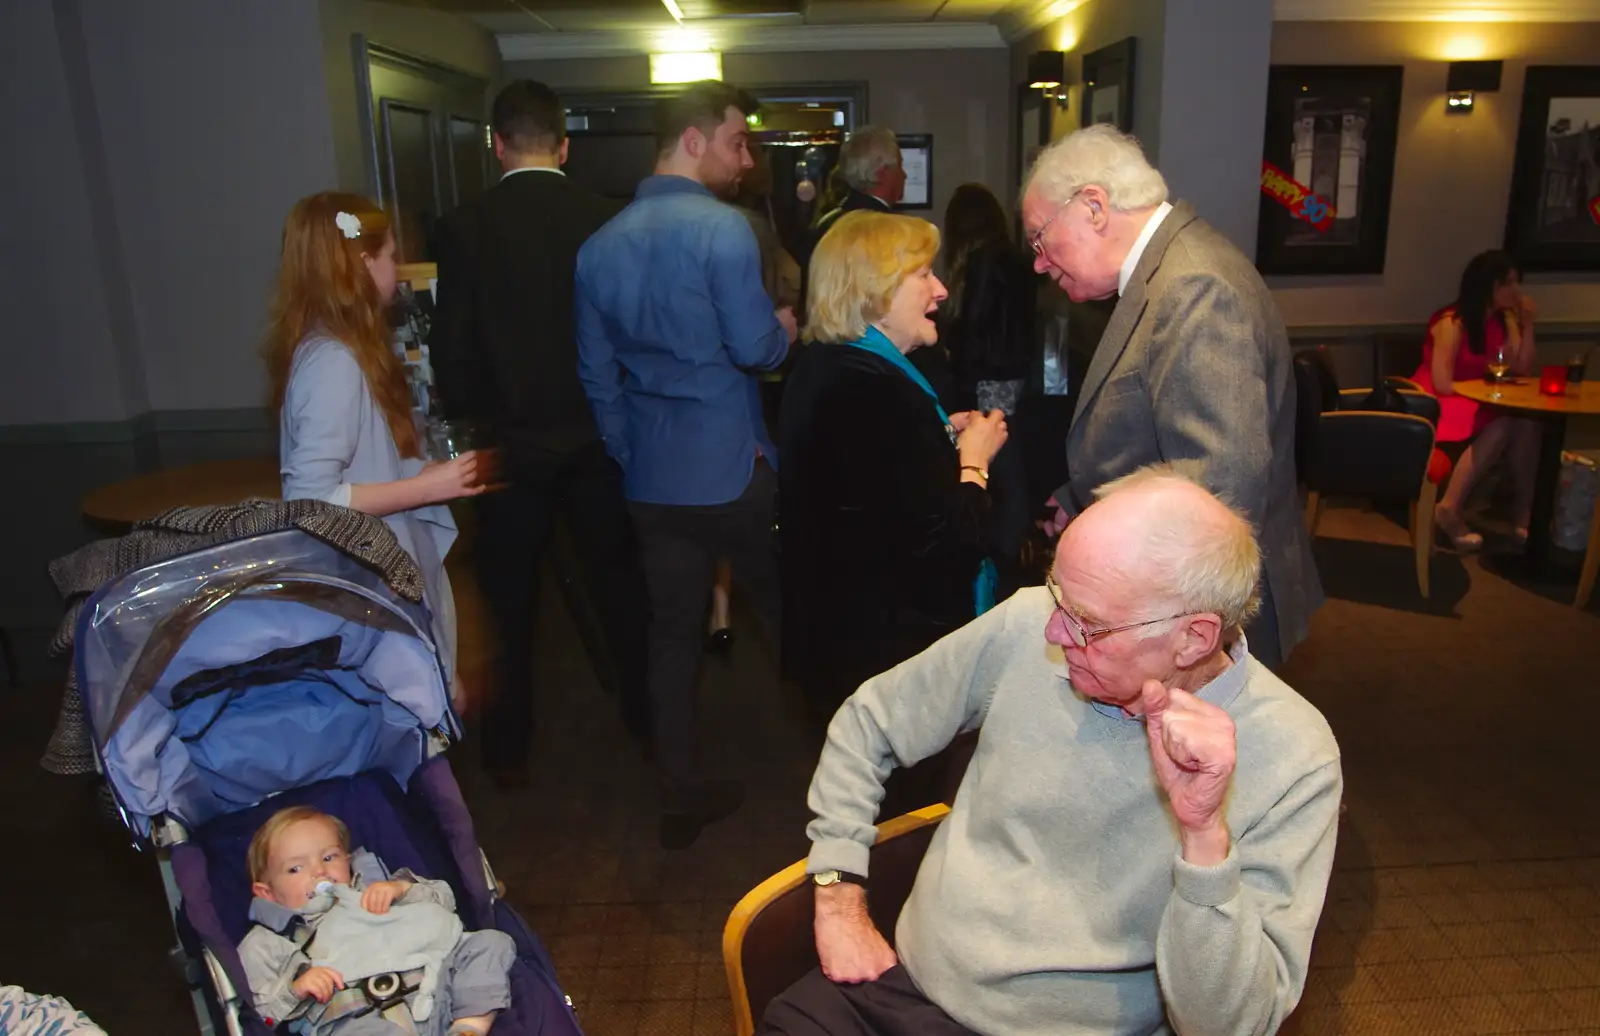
pixel 1142 842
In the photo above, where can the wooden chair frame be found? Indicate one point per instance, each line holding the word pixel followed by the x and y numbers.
pixel 779 885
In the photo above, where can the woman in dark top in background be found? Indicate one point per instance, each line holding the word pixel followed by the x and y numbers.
pixel 989 336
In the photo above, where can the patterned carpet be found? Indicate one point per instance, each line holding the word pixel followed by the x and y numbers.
pixel 1466 897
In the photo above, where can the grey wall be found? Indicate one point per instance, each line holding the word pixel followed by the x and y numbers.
pixel 1097 24
pixel 61 357
pixel 959 96
pixel 1213 110
pixel 1452 179
pixel 442 38
pixel 215 120
pixel 1198 108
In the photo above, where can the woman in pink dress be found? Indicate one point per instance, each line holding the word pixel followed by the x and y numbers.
pixel 1490 314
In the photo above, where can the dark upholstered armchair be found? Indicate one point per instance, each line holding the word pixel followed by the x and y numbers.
pixel 1344 449
pixel 767 944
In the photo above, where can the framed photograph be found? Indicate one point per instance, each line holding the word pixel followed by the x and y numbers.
pixel 1108 86
pixel 1553 220
pixel 1328 168
pixel 916 157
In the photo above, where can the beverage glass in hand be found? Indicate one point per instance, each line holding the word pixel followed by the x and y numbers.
pixel 448 440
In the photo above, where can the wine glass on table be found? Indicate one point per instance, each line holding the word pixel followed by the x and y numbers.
pixel 1498 366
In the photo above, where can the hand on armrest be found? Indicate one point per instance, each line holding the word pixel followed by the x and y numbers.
pixel 849 945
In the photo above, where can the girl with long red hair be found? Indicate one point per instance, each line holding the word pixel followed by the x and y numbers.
pixel 345 431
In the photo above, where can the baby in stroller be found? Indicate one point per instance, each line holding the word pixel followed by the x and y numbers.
pixel 338 946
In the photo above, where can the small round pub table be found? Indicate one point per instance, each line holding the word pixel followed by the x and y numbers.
pixel 121 504
pixel 1523 397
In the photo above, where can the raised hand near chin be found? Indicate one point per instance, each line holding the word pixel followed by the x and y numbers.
pixel 1193 750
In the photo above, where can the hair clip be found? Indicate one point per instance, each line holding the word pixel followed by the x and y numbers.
pixel 349 224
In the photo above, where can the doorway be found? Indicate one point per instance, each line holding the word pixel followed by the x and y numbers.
pixel 427 140
pixel 799 129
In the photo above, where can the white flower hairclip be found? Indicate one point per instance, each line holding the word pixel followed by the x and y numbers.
pixel 349 224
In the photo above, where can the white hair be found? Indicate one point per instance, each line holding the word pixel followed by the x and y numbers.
pixel 1202 550
pixel 1104 156
pixel 869 151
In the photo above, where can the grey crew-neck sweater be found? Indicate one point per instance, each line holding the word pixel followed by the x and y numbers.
pixel 1054 898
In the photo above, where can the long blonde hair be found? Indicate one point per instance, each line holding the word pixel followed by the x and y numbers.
pixel 324 286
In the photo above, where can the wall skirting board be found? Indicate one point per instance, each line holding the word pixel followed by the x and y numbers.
pixel 151 424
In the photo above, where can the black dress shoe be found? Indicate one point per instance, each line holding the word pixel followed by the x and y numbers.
pixel 719 642
pixel 717 800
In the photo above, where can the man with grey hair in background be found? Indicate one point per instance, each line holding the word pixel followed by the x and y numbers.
pixel 869 161
pixel 1142 841
pixel 1194 364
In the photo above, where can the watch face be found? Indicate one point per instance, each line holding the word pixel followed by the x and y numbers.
pixel 826 878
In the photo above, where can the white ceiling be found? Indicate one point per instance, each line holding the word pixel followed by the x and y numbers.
pixel 579 28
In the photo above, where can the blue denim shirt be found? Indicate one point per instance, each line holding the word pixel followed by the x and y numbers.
pixel 672 321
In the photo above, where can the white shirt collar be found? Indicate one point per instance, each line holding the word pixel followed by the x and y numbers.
pixel 533 169
pixel 1139 244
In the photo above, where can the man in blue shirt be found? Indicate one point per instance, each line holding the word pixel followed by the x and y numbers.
pixel 672 321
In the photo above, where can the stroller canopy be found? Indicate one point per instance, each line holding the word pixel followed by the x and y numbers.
pixel 215 679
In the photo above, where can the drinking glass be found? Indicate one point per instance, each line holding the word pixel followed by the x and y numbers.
pixel 1499 364
pixel 448 440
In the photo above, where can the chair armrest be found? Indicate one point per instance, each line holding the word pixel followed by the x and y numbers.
pixel 772 924
pixel 1417 402
pixel 1371 453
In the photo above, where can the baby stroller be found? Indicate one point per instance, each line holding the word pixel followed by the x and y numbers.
pixel 224 684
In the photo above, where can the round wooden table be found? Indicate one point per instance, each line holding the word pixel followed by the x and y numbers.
pixel 1522 396
pixel 121 504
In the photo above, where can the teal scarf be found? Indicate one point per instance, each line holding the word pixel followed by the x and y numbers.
pixel 878 344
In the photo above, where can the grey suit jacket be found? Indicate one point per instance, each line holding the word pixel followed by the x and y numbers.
pixel 1195 366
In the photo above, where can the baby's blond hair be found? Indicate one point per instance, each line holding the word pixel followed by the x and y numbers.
pixel 261 845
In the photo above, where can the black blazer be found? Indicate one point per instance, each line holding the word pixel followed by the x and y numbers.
pixel 503 345
pixel 881 540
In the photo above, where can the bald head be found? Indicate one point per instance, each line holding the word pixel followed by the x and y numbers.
pixel 1171 543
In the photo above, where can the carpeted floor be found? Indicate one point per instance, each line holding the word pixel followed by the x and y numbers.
pixel 1466 897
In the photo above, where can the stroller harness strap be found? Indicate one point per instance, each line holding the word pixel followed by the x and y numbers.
pixel 385 994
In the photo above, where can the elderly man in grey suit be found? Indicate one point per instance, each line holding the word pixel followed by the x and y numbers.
pixel 1193 366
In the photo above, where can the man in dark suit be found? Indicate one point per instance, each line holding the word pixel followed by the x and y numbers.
pixel 869 161
pixel 505 356
pixel 1193 367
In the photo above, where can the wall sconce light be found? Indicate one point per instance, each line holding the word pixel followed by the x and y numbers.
pixel 1466 79
pixel 1047 72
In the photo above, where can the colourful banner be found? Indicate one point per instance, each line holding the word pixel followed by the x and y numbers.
pixel 1594 208
pixel 1296 197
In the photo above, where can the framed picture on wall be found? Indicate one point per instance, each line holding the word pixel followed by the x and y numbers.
pixel 1553 219
pixel 1328 168
pixel 916 158
pixel 1108 86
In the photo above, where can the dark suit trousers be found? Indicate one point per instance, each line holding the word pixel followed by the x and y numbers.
pixel 891 1006
pixel 514 528
pixel 680 546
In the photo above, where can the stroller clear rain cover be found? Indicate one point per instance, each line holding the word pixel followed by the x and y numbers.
pixel 217 678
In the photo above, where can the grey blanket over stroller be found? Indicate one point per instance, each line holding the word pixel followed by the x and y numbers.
pixel 181 530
